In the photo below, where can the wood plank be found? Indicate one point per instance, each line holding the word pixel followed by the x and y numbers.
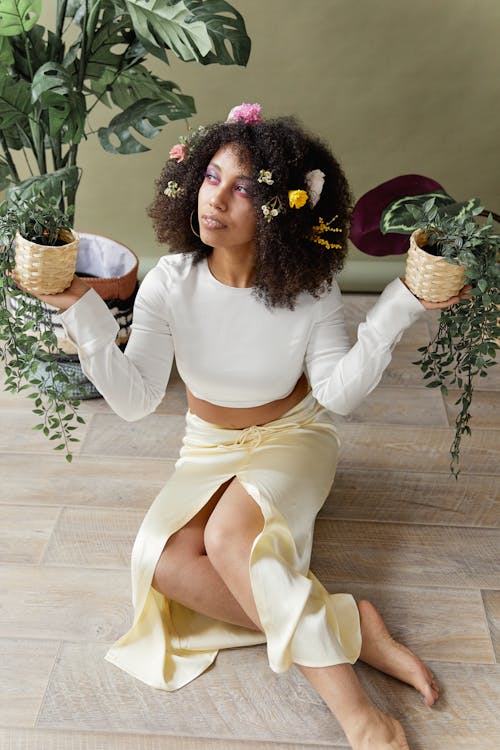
pixel 94 537
pixel 89 481
pixel 58 603
pixel 404 554
pixel 26 668
pixel 17 435
pixel 157 436
pixel 25 532
pixel 46 739
pixel 466 716
pixel 485 408
pixel 425 619
pixel 413 497
pixel 390 447
pixel 240 698
pixel 491 601
pixel 400 405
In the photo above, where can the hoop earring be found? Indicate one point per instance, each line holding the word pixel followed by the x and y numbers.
pixel 191 224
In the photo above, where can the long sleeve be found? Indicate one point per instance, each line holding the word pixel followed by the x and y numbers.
pixel 132 382
pixel 341 376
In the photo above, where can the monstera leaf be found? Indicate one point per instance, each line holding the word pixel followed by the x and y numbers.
pixel 58 184
pixel 398 218
pixel 224 24
pixel 52 89
pixel 18 16
pixel 164 25
pixel 15 102
pixel 146 116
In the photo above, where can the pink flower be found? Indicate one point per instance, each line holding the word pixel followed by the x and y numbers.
pixel 179 152
pixel 249 113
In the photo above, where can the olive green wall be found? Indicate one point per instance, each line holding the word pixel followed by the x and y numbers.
pixel 395 86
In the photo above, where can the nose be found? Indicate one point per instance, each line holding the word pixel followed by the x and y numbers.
pixel 217 197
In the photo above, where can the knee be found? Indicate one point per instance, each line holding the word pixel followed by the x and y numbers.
pixel 226 544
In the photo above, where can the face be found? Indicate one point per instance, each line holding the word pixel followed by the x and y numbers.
pixel 226 213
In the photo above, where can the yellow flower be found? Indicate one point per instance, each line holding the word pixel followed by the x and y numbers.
pixel 297 198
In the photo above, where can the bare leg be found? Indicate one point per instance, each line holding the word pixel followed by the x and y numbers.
pixel 366 727
pixel 381 651
pixel 199 587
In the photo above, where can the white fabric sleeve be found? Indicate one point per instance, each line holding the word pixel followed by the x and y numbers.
pixel 341 376
pixel 132 382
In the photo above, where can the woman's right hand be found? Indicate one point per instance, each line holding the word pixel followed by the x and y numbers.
pixel 62 300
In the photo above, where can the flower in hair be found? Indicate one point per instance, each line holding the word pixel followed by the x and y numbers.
pixel 249 113
pixel 178 152
pixel 297 198
pixel 265 176
pixel 322 228
pixel 272 208
pixel 173 189
pixel 315 181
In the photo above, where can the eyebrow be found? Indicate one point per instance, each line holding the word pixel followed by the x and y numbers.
pixel 238 177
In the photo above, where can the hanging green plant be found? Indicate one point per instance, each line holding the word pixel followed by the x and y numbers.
pixel 28 344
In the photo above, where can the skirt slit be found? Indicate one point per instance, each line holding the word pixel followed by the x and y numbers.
pixel 287 467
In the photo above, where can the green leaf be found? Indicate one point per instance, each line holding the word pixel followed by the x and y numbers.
pixel 61 183
pixel 52 89
pixel 17 16
pixel 145 116
pixel 139 83
pixel 398 217
pixel 6 54
pixel 226 28
pixel 15 102
pixel 160 26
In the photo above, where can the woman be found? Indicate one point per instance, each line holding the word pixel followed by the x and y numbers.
pixel 256 213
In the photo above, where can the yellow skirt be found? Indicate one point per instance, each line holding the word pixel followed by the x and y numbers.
pixel 287 466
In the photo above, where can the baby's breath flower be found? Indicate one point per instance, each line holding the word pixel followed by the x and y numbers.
pixel 272 208
pixel 265 176
pixel 173 189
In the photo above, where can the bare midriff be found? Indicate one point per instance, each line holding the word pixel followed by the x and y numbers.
pixel 239 419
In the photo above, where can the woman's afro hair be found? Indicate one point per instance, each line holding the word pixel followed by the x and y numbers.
pixel 287 261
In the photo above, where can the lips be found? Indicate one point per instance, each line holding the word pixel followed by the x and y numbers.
pixel 210 222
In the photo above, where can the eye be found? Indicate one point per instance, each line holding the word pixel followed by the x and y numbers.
pixel 211 177
pixel 243 190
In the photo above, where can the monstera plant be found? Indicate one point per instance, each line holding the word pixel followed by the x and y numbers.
pixel 96 51
pixel 51 79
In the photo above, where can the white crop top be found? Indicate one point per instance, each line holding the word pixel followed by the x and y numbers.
pixel 230 349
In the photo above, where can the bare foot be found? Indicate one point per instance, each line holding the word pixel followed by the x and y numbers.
pixel 382 652
pixel 378 731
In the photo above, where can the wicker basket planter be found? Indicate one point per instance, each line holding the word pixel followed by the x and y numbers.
pixel 46 269
pixel 111 269
pixel 431 277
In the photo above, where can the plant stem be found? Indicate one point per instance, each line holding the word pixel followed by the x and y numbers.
pixel 8 158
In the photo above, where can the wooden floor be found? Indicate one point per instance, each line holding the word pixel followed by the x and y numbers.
pixel 395 528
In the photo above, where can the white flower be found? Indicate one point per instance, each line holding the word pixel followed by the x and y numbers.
pixel 314 181
pixel 173 189
pixel 265 176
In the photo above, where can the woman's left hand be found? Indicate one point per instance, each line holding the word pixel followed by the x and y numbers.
pixel 447 302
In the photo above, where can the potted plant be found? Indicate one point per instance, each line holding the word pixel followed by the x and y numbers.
pixel 459 239
pixel 52 79
pixel 28 344
pixel 50 82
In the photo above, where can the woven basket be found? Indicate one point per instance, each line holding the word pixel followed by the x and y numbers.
pixel 111 269
pixel 44 269
pixel 431 277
